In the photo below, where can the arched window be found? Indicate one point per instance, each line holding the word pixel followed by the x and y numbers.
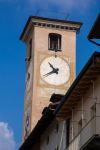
pixel 54 42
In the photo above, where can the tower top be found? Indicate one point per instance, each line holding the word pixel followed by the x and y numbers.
pixel 49 23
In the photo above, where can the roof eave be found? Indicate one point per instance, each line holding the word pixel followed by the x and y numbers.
pixel 27 23
pixel 47 19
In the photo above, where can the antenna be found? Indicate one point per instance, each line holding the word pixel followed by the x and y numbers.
pixel 67 16
pixel 37 12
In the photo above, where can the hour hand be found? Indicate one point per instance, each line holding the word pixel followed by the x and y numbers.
pixel 51 65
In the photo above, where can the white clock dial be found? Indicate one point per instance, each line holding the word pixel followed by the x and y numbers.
pixel 54 70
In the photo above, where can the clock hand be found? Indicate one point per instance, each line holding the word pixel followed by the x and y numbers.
pixel 51 72
pixel 51 65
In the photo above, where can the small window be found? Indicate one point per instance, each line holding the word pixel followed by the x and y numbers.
pixel 28 76
pixel 93 110
pixel 29 51
pixel 30 48
pixel 80 125
pixel 54 42
pixel 57 127
pixel 57 148
pixel 48 139
pixel 68 126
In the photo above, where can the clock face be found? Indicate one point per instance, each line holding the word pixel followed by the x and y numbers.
pixel 54 70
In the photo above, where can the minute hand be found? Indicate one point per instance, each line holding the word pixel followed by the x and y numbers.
pixel 51 72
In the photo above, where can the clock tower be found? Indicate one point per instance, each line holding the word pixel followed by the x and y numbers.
pixel 50 64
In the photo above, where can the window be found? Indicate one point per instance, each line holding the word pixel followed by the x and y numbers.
pixel 28 76
pixel 29 51
pixel 67 132
pixel 80 125
pixel 57 127
pixel 30 48
pixel 93 110
pixel 48 139
pixel 57 148
pixel 54 42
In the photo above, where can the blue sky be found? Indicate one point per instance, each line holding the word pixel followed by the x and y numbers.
pixel 13 16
